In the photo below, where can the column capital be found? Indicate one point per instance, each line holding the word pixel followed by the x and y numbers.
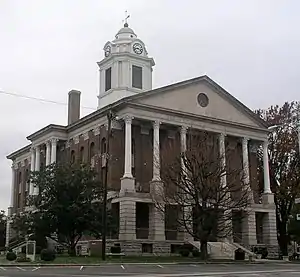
pixel 183 129
pixel 245 139
pixel 22 163
pixel 54 140
pixel 96 131
pixel 67 144
pixel 32 149
pixel 128 119
pixel 76 139
pixel 37 148
pixel 222 136
pixel 14 165
pixel 86 135
pixel 47 143
pixel 156 124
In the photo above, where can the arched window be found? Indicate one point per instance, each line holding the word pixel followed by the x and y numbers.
pixel 92 149
pixel 72 156
pixel 81 154
pixel 103 146
pixel 27 180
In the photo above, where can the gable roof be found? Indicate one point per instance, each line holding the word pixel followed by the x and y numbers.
pixel 235 102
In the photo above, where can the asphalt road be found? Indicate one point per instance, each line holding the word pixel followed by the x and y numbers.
pixel 157 270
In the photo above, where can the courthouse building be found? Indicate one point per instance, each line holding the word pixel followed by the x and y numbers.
pixel 145 121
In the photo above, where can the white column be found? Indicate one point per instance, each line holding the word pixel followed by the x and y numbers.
pixel 128 148
pixel 48 153
pixel 13 179
pixel 37 158
pixel 156 152
pixel 223 159
pixel 246 161
pixel 183 131
pixel 53 150
pixel 32 168
pixel 267 188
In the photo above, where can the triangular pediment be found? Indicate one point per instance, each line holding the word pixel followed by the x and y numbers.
pixel 184 97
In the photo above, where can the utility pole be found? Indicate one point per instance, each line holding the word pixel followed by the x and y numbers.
pixel 104 215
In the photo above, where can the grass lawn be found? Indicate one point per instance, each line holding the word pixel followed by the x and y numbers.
pixel 64 259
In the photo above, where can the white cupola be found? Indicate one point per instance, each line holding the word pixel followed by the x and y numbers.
pixel 126 68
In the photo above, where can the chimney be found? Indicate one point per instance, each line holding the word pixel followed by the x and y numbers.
pixel 73 106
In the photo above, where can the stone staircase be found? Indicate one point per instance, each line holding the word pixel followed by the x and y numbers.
pixel 223 249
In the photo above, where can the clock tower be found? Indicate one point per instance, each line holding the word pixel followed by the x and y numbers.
pixel 125 69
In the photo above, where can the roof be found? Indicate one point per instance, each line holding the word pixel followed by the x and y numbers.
pixel 203 78
pixel 19 152
pixel 47 129
pixel 122 102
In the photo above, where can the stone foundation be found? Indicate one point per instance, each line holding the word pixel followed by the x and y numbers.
pixel 135 248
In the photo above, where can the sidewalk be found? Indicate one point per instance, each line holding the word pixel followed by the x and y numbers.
pixel 33 264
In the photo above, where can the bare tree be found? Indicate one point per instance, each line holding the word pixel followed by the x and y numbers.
pixel 284 163
pixel 205 187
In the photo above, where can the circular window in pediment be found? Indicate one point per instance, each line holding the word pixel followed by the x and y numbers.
pixel 202 100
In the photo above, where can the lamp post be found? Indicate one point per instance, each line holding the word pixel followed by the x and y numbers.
pixel 110 117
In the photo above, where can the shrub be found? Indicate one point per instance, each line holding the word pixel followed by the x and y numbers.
pixel 11 256
pixel 196 253
pixel 47 255
pixel 38 249
pixel 184 252
pixel 264 253
pixel 22 258
pixel 115 249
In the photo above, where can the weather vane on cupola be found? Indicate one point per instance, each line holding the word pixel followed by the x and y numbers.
pixel 126 19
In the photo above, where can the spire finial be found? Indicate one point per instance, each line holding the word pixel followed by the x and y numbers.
pixel 126 18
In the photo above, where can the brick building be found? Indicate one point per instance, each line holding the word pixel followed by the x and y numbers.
pixel 146 120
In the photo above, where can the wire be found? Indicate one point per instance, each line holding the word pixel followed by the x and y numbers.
pixel 40 99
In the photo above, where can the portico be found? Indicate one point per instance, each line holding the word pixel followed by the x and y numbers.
pixel 51 150
pixel 128 228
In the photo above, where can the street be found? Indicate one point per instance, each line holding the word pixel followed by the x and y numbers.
pixel 157 270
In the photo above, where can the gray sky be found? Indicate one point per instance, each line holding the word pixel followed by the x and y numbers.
pixel 48 47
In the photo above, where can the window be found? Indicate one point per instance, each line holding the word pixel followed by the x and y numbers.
pixel 92 150
pixel 108 79
pixel 81 154
pixel 72 156
pixel 103 146
pixel 137 77
pixel 147 248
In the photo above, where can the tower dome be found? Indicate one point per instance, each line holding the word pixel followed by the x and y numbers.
pixel 126 33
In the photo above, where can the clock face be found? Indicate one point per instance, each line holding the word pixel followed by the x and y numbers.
pixel 138 48
pixel 107 50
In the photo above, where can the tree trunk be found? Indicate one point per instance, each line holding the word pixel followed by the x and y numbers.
pixel 72 249
pixel 283 239
pixel 203 250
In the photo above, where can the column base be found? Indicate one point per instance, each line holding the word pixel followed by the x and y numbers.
pixel 127 184
pixel 157 188
pixel 157 223
pixel 267 198
pixel 127 220
pixel 249 229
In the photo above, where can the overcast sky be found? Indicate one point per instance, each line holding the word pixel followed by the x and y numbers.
pixel 48 47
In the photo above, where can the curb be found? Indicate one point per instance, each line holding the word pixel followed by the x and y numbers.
pixel 141 263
